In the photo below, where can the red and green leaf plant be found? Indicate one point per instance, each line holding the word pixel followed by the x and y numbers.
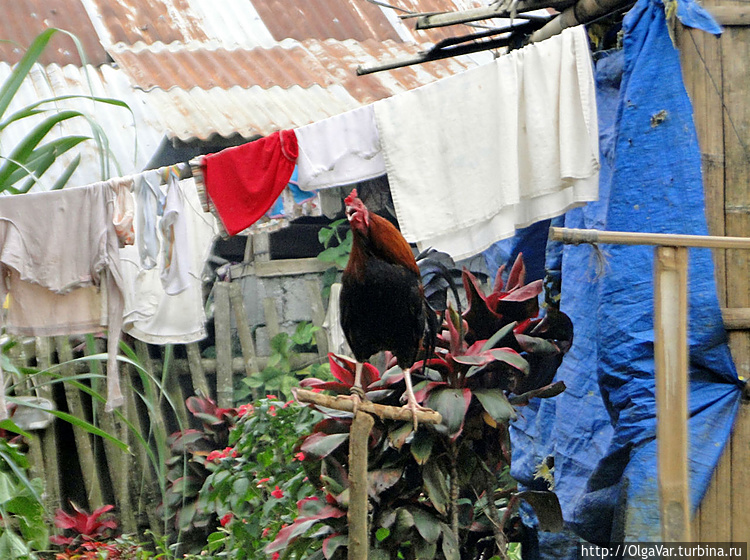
pixel 187 470
pixel 258 488
pixel 443 491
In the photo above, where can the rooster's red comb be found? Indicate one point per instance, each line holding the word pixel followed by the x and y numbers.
pixel 350 199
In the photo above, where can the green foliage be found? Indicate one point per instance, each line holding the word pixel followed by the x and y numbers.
pixel 279 376
pixel 23 530
pixel 254 488
pixel 26 162
pixel 336 250
pixel 442 491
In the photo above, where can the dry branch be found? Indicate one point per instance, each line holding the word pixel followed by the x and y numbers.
pixel 381 411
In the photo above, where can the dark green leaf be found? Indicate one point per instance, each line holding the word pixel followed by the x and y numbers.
pixel 427 525
pixel 452 404
pixel 496 404
pixel 436 486
pixel 449 544
pixel 398 435
pixel 547 509
pixel 421 446
pixel 320 445
pixel 382 479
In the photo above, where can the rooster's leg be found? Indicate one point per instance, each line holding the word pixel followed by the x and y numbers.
pixel 411 400
pixel 356 392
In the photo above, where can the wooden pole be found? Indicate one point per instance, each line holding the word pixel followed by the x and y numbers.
pixel 575 236
pixel 380 410
pixel 671 357
pixel 359 541
pixel 223 341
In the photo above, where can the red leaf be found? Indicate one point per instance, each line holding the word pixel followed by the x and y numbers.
pixel 517 275
pixel 301 525
pixel 342 368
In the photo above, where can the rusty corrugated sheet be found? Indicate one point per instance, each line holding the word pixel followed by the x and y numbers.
pixel 23 20
pixel 198 92
pixel 255 66
pixel 303 64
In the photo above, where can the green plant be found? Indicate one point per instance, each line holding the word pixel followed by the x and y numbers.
pixel 26 162
pixel 255 487
pixel 336 250
pixel 191 451
pixel 443 491
pixel 279 374
pixel 23 529
pixel 93 536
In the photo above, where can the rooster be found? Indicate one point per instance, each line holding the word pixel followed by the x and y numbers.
pixel 382 299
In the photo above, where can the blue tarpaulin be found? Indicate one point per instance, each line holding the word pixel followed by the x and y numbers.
pixel 601 430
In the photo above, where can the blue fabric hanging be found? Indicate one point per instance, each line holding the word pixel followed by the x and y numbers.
pixel 601 430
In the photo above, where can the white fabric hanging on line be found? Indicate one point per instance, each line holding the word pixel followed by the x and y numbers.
pixel 474 156
pixel 151 314
pixel 61 268
pixel 339 150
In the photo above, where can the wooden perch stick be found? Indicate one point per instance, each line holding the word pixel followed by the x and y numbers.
pixel 379 410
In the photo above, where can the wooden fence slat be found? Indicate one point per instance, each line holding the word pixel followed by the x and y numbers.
pixel 197 374
pixel 272 317
pixel 318 316
pixel 243 329
pixel 82 438
pixel 48 436
pixel 223 341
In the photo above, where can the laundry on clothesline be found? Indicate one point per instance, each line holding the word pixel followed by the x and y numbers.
pixel 151 313
pixel 241 183
pixel 471 157
pixel 340 150
pixel 62 274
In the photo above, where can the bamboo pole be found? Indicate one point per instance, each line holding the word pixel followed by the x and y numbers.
pixel 82 438
pixel 358 437
pixel 576 236
pixel 671 358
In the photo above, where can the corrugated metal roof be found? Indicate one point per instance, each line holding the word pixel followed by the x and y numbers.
pixel 126 155
pixel 22 20
pixel 258 91
pixel 252 66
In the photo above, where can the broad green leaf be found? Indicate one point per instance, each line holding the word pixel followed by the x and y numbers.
pixel 499 335
pixel 7 488
pixel 452 404
pixel 21 476
pixel 332 543
pixel 427 525
pixel 382 534
pixel 496 404
pixel 546 507
pixel 382 479
pixel 437 486
pixel 404 522
pixel 449 544
pixel 510 357
pixel 398 435
pixel 424 550
pixel 10 426
pixel 421 446
pixel 13 82
pixel 321 445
